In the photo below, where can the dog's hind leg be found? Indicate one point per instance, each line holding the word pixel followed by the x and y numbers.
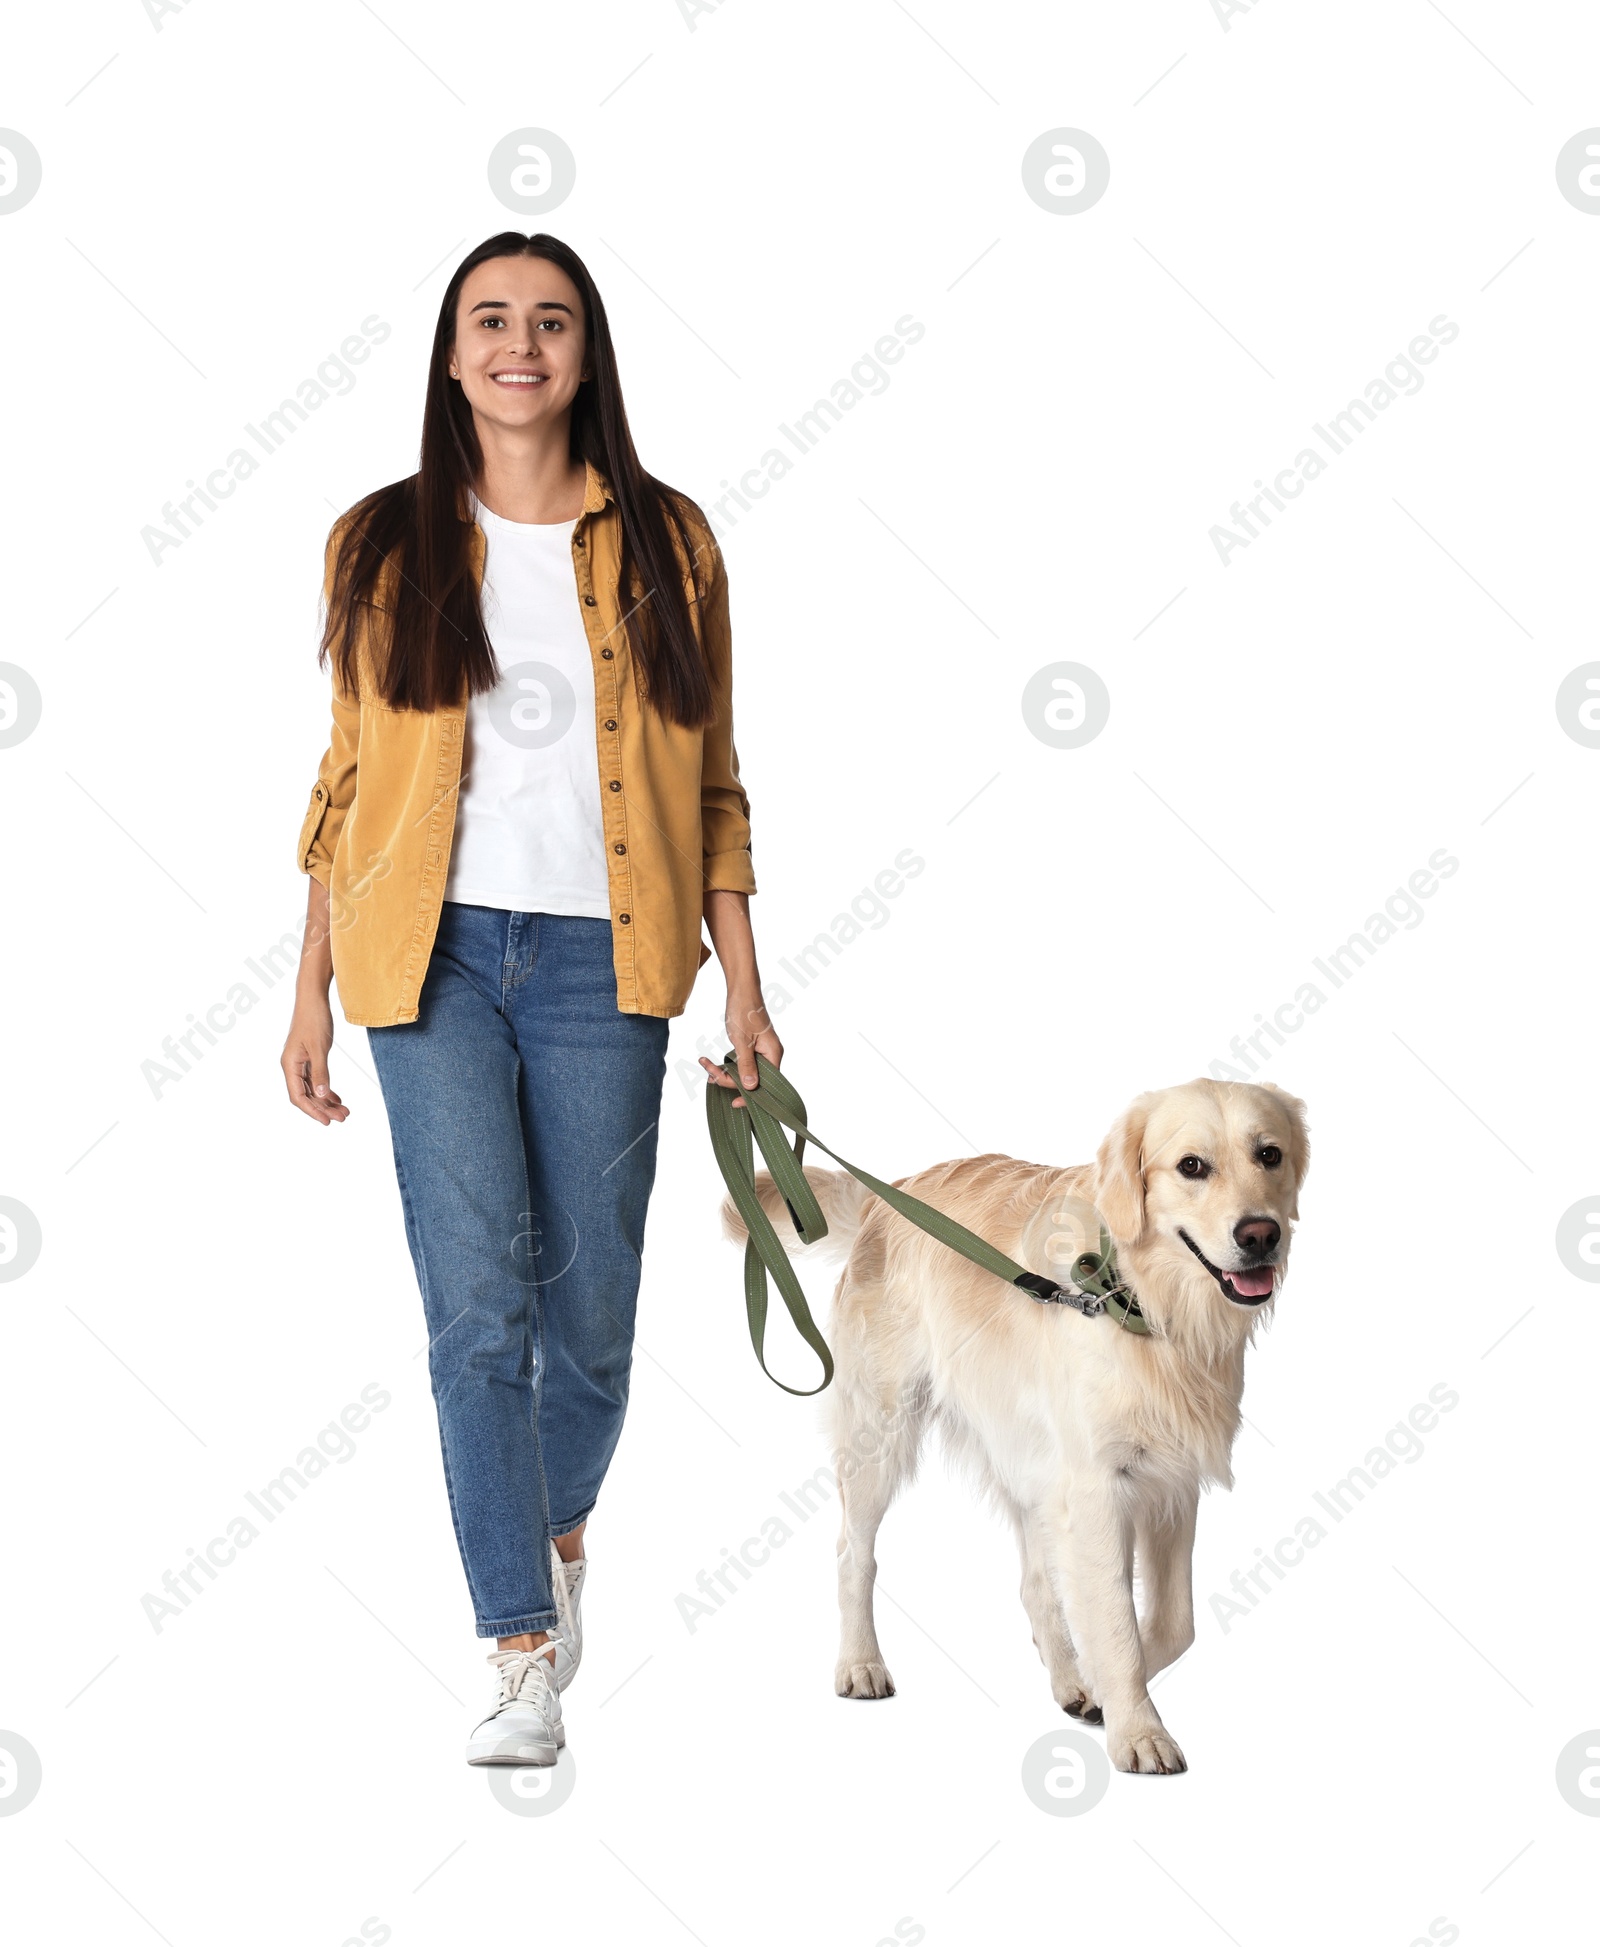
pixel 1049 1621
pixel 876 1442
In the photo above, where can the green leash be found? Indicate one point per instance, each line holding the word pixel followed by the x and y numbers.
pixel 773 1107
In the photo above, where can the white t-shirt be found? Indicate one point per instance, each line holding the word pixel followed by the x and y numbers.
pixel 528 832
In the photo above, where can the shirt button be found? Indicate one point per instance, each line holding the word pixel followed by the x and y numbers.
pixel 614 786
pixel 588 601
pixel 605 655
pixel 611 723
pixel 619 848
pixel 625 919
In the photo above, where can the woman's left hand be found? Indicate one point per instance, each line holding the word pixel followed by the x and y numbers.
pixel 750 1032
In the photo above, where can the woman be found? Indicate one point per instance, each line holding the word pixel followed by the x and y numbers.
pixel 530 799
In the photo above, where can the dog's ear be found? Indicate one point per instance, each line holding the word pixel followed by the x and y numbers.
pixel 1119 1173
pixel 1299 1140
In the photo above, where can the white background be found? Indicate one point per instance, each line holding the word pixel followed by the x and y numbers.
pixel 761 195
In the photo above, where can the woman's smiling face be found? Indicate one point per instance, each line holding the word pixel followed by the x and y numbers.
pixel 520 344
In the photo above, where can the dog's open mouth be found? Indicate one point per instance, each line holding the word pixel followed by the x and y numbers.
pixel 1243 1287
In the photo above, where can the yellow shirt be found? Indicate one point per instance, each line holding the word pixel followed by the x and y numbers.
pixel 378 828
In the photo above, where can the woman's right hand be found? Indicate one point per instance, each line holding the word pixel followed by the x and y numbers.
pixel 305 1053
pixel 305 1061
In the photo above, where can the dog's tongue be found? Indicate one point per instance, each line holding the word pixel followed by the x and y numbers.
pixel 1252 1284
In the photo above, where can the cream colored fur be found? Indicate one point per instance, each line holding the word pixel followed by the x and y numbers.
pixel 1094 1441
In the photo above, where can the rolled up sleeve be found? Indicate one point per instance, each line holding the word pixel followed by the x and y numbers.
pixel 724 806
pixel 334 791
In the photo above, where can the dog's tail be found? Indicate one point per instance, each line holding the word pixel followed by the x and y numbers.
pixel 842 1198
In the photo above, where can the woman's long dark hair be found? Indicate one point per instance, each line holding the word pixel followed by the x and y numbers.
pixel 434 651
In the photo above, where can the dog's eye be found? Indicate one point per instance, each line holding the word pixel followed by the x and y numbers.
pixel 1269 1156
pixel 1193 1167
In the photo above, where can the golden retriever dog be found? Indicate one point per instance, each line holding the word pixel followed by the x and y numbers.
pixel 1095 1440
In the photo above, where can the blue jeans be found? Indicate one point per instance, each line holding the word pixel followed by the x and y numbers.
pixel 523 1105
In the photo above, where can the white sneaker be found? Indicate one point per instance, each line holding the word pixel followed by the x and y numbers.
pixel 525 1725
pixel 567 1580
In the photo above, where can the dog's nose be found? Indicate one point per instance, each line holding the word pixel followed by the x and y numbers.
pixel 1257 1234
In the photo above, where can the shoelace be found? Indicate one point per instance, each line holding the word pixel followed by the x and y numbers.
pixel 516 1668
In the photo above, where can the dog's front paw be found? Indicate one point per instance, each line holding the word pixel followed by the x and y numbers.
pixel 1145 1747
pixel 871 1679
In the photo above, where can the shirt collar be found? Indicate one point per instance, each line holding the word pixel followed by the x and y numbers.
pixel 597 490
